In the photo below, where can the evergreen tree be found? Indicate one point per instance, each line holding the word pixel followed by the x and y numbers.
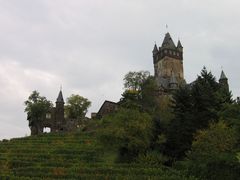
pixel 194 108
pixel 181 128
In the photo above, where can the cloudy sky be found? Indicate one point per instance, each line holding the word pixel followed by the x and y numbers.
pixel 87 46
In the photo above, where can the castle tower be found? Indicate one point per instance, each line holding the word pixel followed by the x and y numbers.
pixel 168 61
pixel 223 81
pixel 59 112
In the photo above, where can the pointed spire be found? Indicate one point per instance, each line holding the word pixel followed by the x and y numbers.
pixel 168 42
pixel 179 45
pixel 223 76
pixel 60 97
pixel 155 49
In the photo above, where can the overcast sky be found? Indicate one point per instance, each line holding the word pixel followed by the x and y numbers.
pixel 87 46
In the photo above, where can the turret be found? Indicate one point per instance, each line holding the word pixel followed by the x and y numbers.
pixel 155 52
pixel 59 110
pixel 223 81
pixel 179 46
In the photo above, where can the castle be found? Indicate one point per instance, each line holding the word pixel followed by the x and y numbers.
pixel 54 119
pixel 168 66
pixel 168 73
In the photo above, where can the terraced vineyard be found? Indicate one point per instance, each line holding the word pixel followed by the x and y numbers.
pixel 68 156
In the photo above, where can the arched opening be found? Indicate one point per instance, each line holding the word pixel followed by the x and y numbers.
pixel 46 130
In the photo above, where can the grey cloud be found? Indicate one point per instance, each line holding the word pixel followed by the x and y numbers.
pixel 88 46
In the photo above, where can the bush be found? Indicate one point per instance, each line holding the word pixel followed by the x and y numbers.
pixel 129 131
pixel 152 158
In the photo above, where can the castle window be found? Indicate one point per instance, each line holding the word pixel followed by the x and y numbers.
pixel 177 54
pixel 174 53
pixel 48 116
pixel 165 51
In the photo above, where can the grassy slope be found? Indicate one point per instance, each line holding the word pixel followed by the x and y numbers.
pixel 69 156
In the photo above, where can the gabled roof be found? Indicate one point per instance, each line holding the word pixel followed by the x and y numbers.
pixel 60 97
pixel 168 42
pixel 107 102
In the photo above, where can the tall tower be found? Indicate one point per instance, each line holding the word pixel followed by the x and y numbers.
pixel 59 112
pixel 168 62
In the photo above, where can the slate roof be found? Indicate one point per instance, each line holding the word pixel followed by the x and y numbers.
pixel 223 76
pixel 155 49
pixel 60 97
pixel 168 42
pixel 179 45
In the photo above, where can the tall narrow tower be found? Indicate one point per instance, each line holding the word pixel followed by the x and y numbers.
pixel 168 62
pixel 223 81
pixel 59 112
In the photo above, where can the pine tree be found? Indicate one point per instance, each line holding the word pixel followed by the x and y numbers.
pixel 195 107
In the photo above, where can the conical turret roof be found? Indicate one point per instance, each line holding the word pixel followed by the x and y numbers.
pixel 223 76
pixel 155 49
pixel 179 45
pixel 60 97
pixel 168 42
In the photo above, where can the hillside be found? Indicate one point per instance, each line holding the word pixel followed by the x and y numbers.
pixel 69 156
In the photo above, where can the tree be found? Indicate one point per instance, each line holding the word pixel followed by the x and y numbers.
pixel 208 99
pixel 36 107
pixel 195 106
pixel 76 106
pixel 213 155
pixel 133 83
pixel 181 128
pixel 129 131
pixel 148 95
pixel 134 80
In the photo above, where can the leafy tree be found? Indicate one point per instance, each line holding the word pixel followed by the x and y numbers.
pixel 148 95
pixel 212 155
pixel 76 106
pixel 36 107
pixel 231 114
pixel 134 80
pixel 129 131
pixel 133 83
